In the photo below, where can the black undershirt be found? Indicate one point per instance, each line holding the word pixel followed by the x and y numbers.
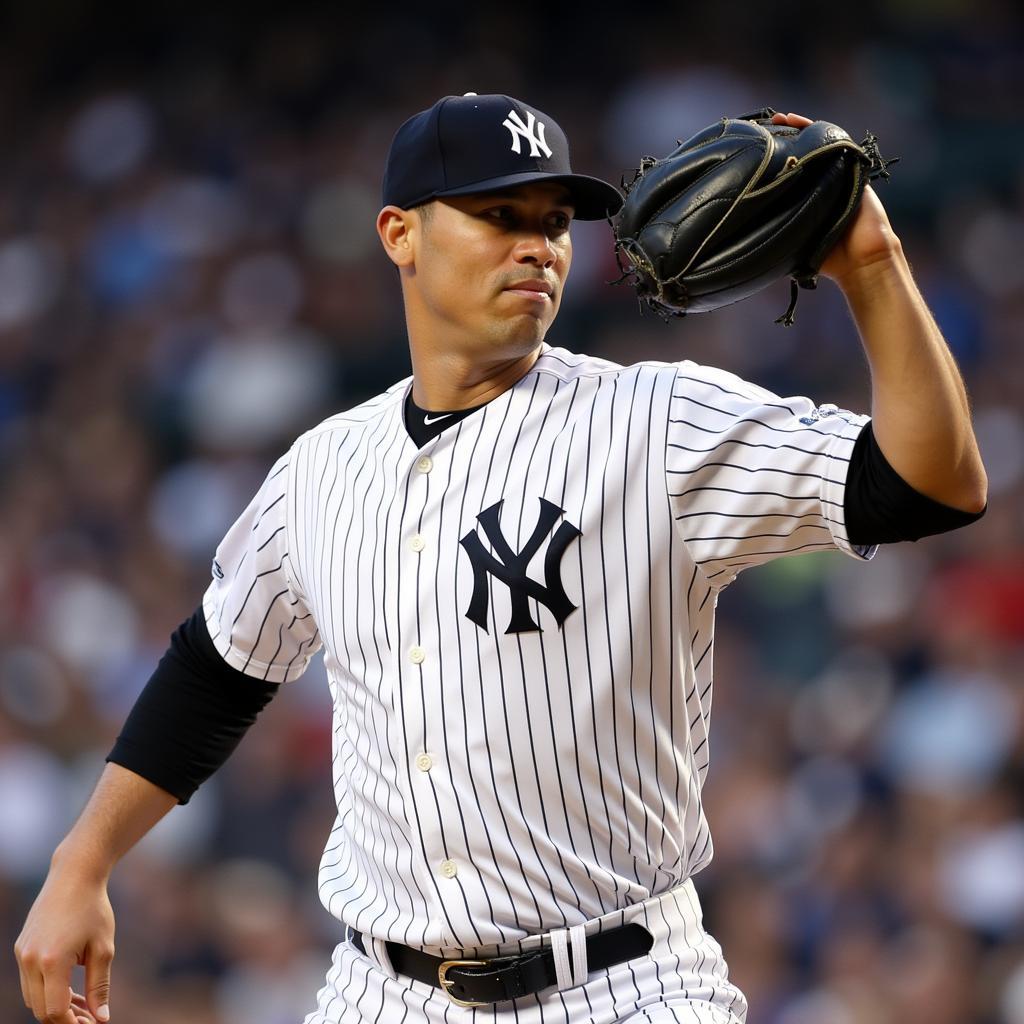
pixel 880 507
pixel 422 425
pixel 196 708
pixel 191 714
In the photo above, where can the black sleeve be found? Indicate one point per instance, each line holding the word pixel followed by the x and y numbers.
pixel 881 508
pixel 191 714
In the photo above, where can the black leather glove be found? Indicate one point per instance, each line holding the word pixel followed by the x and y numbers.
pixel 737 206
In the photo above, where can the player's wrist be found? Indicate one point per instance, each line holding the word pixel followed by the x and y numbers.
pixel 81 863
pixel 862 277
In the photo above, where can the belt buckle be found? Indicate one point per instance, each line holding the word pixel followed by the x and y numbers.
pixel 446 984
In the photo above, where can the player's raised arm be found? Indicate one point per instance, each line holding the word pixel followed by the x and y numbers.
pixel 71 921
pixel 921 418
pixel 702 228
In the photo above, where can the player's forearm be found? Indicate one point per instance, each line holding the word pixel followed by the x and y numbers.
pixel 122 809
pixel 922 419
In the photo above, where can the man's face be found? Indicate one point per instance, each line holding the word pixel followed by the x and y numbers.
pixel 489 269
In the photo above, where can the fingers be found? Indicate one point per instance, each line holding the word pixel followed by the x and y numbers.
pixel 49 996
pixel 793 120
pixel 26 994
pixel 98 959
pixel 81 1009
pixel 56 995
pixel 36 997
pixel 66 1009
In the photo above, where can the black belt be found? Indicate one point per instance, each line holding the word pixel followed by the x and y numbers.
pixel 476 982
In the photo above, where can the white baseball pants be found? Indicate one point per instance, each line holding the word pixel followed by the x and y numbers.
pixel 684 978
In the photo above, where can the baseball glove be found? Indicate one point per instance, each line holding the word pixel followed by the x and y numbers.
pixel 739 205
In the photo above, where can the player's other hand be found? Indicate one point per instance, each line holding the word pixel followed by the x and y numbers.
pixel 71 922
pixel 869 240
pixel 80 1008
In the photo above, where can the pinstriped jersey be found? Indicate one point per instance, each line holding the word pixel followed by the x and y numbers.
pixel 518 622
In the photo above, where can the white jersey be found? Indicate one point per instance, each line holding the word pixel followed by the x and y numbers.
pixel 518 624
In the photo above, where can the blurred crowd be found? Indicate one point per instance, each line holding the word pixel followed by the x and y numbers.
pixel 190 277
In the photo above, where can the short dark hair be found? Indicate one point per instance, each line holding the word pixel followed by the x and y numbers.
pixel 425 210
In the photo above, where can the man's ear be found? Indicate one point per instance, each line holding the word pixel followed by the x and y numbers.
pixel 397 228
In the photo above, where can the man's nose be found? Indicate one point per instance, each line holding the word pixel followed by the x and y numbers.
pixel 537 248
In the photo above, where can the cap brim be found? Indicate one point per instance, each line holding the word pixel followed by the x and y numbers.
pixel 592 198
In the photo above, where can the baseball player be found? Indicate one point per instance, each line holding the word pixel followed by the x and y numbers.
pixel 511 560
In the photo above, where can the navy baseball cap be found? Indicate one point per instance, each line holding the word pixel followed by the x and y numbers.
pixel 468 144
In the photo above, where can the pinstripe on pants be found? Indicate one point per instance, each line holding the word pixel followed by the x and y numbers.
pixel 684 978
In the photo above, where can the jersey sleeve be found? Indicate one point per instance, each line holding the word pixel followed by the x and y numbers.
pixel 255 612
pixel 752 476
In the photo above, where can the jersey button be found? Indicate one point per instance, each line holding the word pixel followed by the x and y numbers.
pixel 417 655
pixel 417 543
pixel 424 762
pixel 449 868
pixel 425 464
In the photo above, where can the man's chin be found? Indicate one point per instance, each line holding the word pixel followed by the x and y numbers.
pixel 524 331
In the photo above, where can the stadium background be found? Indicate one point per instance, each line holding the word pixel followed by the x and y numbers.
pixel 189 277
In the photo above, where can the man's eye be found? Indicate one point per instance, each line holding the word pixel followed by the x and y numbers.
pixel 500 213
pixel 561 221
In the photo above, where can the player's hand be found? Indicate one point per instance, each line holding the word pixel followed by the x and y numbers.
pixel 71 922
pixel 868 240
pixel 80 1008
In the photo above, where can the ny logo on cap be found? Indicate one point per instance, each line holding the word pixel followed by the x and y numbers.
pixel 514 123
pixel 510 568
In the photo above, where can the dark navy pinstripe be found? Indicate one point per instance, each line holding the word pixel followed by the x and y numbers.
pixel 562 769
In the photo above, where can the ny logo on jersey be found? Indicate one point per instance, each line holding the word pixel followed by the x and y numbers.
pixel 510 567
pixel 514 123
